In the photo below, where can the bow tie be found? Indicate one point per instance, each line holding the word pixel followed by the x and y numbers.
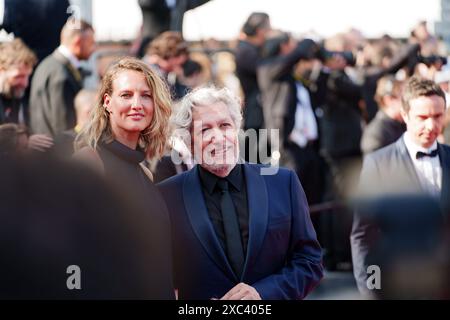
pixel 421 154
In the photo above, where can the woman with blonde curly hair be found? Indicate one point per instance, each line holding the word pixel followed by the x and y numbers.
pixel 133 108
pixel 130 122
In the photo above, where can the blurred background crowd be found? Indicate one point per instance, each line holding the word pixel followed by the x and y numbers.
pixel 332 102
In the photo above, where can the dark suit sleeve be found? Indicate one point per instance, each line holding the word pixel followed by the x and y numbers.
pixel 247 60
pixel 406 57
pixel 303 269
pixel 192 4
pixel 149 4
pixel 282 65
pixel 363 229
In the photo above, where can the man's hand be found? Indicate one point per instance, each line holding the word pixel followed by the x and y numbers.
pixel 242 291
pixel 40 142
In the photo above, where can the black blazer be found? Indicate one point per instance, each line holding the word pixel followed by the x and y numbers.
pixel 389 171
pixel 53 89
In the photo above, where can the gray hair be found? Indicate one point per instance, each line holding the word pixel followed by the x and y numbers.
pixel 205 96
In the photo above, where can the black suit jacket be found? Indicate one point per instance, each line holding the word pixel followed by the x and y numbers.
pixel 53 89
pixel 247 57
pixel 389 171
pixel 340 125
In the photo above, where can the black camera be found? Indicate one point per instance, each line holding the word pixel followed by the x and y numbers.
pixel 432 60
pixel 348 56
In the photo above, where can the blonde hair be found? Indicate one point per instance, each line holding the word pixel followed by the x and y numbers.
pixel 153 139
pixel 16 52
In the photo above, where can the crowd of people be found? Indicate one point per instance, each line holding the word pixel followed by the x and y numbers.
pixel 164 171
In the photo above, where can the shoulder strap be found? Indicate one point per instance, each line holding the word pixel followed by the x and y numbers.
pixel 147 171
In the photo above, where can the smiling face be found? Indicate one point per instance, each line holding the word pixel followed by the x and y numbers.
pixel 425 119
pixel 215 141
pixel 130 106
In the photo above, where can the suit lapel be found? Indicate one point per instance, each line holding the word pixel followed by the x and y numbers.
pixel 201 224
pixel 444 159
pixel 258 207
pixel 407 164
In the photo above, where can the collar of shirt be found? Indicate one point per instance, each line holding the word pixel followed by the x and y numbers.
pixel 413 148
pixel 209 180
pixel 70 56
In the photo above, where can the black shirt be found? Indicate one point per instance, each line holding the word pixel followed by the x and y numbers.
pixel 238 192
pixel 9 110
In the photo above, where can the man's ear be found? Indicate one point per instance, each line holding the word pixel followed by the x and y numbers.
pixel 76 44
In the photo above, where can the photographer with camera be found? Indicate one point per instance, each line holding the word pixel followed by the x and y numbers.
pixel 288 107
pixel 380 58
pixel 336 98
pixel 278 87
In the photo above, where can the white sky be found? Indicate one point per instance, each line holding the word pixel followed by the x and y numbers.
pixel 222 19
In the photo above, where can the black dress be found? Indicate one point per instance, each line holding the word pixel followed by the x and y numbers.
pixel 122 169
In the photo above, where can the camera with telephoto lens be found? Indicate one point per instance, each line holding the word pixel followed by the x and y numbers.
pixel 325 55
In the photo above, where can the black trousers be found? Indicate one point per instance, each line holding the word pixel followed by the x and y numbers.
pixel 309 168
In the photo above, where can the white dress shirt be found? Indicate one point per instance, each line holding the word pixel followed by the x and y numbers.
pixel 305 128
pixel 428 169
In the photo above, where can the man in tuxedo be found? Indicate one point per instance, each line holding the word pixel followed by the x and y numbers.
pixel 416 164
pixel 58 79
pixel 238 232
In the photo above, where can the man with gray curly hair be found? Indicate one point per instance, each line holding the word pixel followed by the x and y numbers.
pixel 219 156
pixel 237 234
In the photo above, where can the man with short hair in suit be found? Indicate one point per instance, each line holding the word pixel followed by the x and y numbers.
pixel 240 231
pixel 58 79
pixel 415 164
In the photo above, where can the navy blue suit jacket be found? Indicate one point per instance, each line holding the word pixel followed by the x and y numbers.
pixel 389 171
pixel 283 256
